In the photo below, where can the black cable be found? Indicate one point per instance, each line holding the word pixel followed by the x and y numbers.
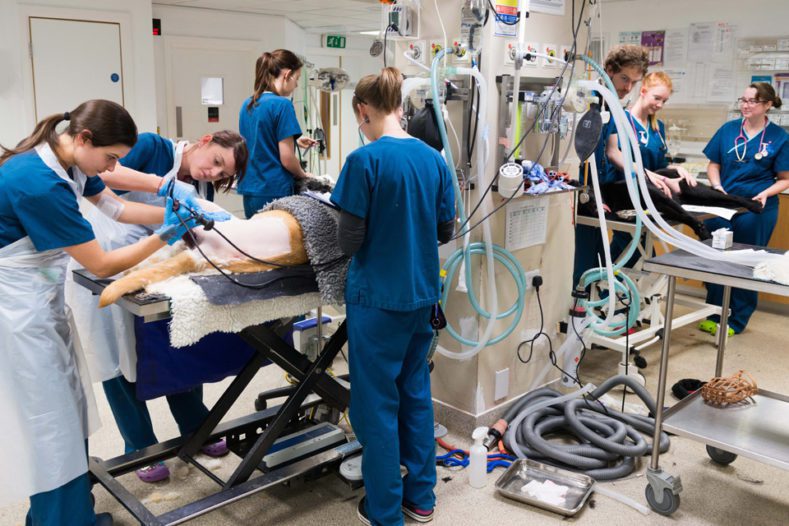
pixel 393 27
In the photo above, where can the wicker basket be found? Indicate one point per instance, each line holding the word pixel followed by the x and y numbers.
pixel 729 390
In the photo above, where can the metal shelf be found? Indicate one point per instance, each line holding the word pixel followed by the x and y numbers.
pixel 757 430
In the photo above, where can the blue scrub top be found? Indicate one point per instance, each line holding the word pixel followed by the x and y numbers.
pixel 403 189
pixel 651 143
pixel 152 154
pixel 751 176
pixel 36 202
pixel 271 120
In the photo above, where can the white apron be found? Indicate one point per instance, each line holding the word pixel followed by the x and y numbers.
pixel 107 335
pixel 46 409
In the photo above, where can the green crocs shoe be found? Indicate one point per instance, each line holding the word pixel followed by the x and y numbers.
pixel 712 327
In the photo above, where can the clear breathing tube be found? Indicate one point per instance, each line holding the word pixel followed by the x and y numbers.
pixel 610 271
pixel 462 257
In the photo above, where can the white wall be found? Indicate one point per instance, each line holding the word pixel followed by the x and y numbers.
pixel 754 18
pixel 185 24
pixel 16 93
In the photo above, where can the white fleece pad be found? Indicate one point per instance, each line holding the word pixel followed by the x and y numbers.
pixel 774 269
pixel 193 317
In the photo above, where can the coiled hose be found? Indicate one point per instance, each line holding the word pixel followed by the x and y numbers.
pixel 608 440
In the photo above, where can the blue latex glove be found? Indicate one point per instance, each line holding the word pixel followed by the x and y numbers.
pixel 175 223
pixel 186 194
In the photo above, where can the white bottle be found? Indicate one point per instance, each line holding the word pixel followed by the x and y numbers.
pixel 478 459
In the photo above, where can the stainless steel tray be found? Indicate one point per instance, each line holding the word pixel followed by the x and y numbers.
pixel 523 471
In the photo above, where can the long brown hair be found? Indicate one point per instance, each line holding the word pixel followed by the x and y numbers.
pixel 382 92
pixel 268 68
pixel 234 141
pixel 104 122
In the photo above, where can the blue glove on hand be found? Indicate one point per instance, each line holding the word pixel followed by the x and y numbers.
pixel 186 194
pixel 175 223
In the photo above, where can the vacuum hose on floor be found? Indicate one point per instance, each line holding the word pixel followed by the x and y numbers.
pixel 608 440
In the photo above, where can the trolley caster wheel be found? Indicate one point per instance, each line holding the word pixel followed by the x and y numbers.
pixel 668 506
pixel 640 362
pixel 260 404
pixel 719 456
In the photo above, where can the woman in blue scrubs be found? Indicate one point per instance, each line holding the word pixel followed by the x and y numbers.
pixel 108 335
pixel 268 123
pixel 651 134
pixel 45 404
pixel 397 203
pixel 748 157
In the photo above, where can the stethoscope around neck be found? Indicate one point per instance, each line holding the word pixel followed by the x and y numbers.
pixel 761 152
pixel 643 135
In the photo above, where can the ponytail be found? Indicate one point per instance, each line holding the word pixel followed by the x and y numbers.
pixel 268 68
pixel 104 122
pixel 383 91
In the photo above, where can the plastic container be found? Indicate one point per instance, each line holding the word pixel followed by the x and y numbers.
pixel 478 459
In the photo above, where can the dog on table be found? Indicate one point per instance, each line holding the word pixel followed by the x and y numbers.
pixel 273 236
pixel 617 198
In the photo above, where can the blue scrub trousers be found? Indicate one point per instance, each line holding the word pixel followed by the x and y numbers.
pixel 751 229
pixel 588 246
pixel 391 408
pixel 254 203
pixel 71 500
pixel 134 420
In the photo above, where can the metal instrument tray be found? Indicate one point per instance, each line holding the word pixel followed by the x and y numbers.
pixel 523 471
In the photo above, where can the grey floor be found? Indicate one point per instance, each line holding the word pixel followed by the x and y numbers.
pixel 745 492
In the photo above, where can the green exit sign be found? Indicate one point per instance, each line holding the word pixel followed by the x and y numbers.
pixel 335 41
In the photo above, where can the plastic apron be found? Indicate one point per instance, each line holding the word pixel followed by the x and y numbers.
pixel 107 334
pixel 45 408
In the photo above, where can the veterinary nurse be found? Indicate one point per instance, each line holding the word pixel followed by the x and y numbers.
pixel 651 134
pixel 397 202
pixel 748 157
pixel 625 65
pixel 43 402
pixel 268 123
pixel 108 335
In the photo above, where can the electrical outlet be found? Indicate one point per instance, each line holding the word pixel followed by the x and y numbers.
pixel 418 50
pixel 501 385
pixel 435 47
pixel 528 276
pixel 509 53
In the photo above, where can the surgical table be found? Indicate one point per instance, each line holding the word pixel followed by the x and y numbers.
pixel 758 430
pixel 249 437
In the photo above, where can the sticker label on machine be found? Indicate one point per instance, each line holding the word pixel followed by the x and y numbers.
pixel 506 15
pixel 527 223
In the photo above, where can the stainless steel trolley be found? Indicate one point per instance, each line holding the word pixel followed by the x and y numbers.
pixel 759 431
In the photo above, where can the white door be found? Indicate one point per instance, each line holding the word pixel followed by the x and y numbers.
pixel 192 62
pixel 74 61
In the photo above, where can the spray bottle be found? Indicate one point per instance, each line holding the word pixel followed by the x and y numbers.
pixel 478 459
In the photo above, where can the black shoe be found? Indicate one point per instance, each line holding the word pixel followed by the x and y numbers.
pixel 103 519
pixel 361 511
